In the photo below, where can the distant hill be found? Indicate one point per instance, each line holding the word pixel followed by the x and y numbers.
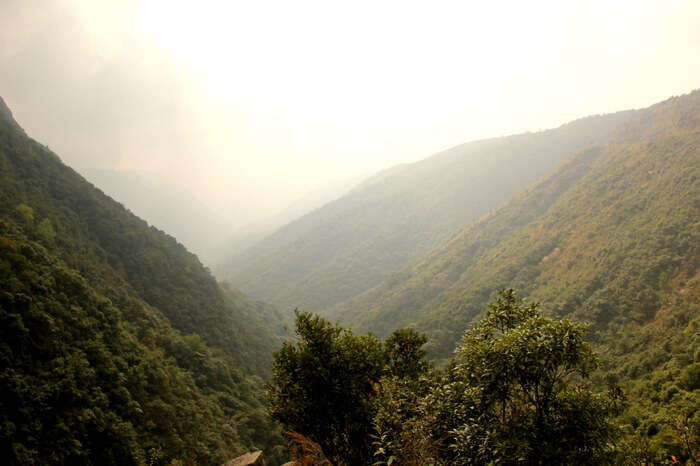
pixel 393 219
pixel 611 236
pixel 208 233
pixel 250 234
pixel 116 345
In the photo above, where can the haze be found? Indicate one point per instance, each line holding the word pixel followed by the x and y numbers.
pixel 251 105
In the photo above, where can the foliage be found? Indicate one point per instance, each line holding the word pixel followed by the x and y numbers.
pixel 658 362
pixel 516 391
pixel 602 238
pixel 116 345
pixel 399 423
pixel 323 387
pixel 521 370
pixel 513 394
pixel 405 354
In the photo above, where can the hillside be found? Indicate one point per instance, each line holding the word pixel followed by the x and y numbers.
pixel 165 205
pixel 392 220
pixel 118 346
pixel 202 230
pixel 610 235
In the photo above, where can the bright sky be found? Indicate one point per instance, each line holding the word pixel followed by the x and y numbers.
pixel 253 104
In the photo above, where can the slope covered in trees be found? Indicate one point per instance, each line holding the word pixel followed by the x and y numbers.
pixel 116 345
pixel 165 205
pixel 350 245
pixel 611 237
pixel 603 236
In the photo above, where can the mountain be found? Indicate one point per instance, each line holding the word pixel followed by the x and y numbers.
pixel 251 233
pixel 396 217
pixel 209 234
pixel 610 236
pixel 116 345
pixel 167 206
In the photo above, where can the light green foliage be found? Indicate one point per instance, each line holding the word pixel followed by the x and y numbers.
pixel 45 231
pixel 400 434
pixel 515 393
pixel 25 212
pixel 658 364
pixel 523 372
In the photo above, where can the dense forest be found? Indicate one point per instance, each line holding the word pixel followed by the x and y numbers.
pixel 117 345
pixel 396 217
pixel 167 206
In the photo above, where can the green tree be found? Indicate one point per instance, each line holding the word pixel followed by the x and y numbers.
pixel 325 385
pixel 26 213
pixel 322 387
pixel 405 354
pixel 397 418
pixel 516 393
pixel 46 232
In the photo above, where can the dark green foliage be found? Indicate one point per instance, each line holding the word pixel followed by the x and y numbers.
pixel 405 354
pixel 323 386
pixel 350 245
pixel 116 345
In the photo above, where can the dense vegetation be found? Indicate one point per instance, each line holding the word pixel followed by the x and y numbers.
pixel 322 386
pixel 116 345
pixel 394 219
pixel 611 237
pixel 167 206
pixel 514 393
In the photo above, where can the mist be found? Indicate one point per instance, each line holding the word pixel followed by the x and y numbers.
pixel 245 108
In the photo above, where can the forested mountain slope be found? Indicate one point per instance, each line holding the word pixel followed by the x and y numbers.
pixel 165 205
pixel 350 245
pixel 116 345
pixel 611 236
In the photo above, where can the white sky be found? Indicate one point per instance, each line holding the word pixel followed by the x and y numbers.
pixel 253 104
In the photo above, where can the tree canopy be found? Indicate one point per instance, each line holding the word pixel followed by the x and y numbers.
pixel 324 385
pixel 515 392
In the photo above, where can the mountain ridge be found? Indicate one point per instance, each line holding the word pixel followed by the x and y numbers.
pixel 655 154
pixel 351 244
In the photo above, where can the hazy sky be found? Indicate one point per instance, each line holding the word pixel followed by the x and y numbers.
pixel 252 104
